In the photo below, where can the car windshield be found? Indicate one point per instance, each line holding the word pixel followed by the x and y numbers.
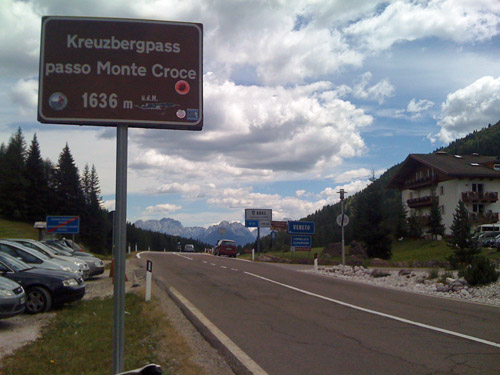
pixel 36 254
pixel 15 264
pixel 40 245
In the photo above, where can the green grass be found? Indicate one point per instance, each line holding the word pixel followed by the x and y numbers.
pixel 407 251
pixel 15 229
pixel 79 341
pixel 420 250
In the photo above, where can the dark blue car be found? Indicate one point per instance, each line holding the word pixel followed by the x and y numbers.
pixel 44 288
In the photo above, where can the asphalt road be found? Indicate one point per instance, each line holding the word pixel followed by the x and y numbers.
pixel 291 322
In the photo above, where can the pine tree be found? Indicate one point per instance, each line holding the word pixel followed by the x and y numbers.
pixel 465 248
pixel 12 178
pixel 37 184
pixel 435 224
pixel 94 219
pixel 70 199
pixel 370 226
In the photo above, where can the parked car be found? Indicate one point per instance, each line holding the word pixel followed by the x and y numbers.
pixel 487 239
pixel 12 298
pixel 44 288
pixel 225 247
pixel 53 253
pixel 96 265
pixel 189 248
pixel 35 258
pixel 497 242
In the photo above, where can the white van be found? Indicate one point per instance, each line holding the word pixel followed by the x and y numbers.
pixel 189 248
pixel 487 228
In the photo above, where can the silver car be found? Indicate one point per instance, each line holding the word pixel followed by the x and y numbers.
pixel 35 258
pixel 53 253
pixel 12 298
pixel 96 265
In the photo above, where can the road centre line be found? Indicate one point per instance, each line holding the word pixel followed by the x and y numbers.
pixel 223 267
pixel 248 362
pixel 182 256
pixel 393 317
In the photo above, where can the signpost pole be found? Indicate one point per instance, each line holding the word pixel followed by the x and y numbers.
pixel 120 237
pixel 342 192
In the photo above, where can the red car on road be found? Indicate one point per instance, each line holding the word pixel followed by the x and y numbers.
pixel 226 247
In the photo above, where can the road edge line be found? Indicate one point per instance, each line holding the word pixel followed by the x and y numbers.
pixel 384 315
pixel 238 360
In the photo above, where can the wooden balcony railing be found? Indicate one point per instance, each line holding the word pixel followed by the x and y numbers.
pixel 420 201
pixel 479 197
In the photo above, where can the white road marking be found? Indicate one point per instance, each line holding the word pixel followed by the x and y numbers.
pixel 248 362
pixel 422 325
pixel 183 256
pixel 223 267
pixel 234 269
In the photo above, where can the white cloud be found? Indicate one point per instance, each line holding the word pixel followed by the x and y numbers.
pixel 162 209
pixel 109 204
pixel 257 133
pixel 352 175
pixel 186 190
pixel 470 108
pixel 378 92
pixel 20 39
pixel 24 94
pixel 455 20
pixel 420 106
pixel 283 207
pixel 415 109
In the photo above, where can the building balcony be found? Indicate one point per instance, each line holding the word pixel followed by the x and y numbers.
pixel 481 218
pixel 420 201
pixel 420 182
pixel 479 197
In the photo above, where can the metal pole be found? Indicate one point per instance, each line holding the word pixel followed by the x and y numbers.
pixel 258 239
pixel 342 192
pixel 120 237
pixel 343 246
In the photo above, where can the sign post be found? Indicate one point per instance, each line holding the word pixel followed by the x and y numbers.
pixel 260 218
pixel 149 274
pixel 342 220
pixel 123 73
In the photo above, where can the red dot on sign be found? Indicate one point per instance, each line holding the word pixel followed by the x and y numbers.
pixel 182 87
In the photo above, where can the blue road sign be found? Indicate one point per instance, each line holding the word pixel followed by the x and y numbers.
pixel 63 224
pixel 251 223
pixel 301 241
pixel 301 227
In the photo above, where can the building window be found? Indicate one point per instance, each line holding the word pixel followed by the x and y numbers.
pixel 478 208
pixel 478 188
pixel 441 208
pixel 441 190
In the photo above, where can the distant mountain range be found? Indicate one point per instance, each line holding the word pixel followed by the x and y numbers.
pixel 231 231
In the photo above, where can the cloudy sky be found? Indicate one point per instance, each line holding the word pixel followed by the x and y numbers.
pixel 301 98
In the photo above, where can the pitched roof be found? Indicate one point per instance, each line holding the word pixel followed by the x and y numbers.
pixel 453 166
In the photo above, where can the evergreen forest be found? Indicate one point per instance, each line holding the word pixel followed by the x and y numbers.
pixel 32 188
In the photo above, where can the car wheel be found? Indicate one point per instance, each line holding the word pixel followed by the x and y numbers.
pixel 38 300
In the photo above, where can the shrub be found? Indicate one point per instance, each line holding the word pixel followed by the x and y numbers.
pixel 433 274
pixel 480 272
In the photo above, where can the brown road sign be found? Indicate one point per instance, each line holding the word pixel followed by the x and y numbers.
pixel 279 225
pixel 106 71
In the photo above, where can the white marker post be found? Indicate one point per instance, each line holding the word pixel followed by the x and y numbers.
pixel 149 273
